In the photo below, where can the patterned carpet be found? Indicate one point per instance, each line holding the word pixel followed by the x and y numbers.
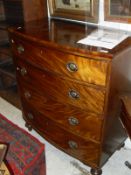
pixel 25 155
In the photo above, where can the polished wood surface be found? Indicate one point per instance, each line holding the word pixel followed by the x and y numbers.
pixel 88 125
pixel 87 68
pixel 82 149
pixel 78 102
pixel 90 98
pixel 60 35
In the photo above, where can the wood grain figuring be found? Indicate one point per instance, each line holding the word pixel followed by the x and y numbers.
pixel 89 125
pixel 42 50
pixel 89 70
pixel 90 98
pixel 86 150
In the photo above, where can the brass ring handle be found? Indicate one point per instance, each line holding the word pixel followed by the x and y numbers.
pixel 73 121
pixel 72 144
pixel 74 94
pixel 27 95
pixel 30 116
pixel 72 67
pixel 20 49
pixel 23 71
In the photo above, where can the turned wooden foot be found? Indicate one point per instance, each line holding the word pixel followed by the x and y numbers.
pixel 96 171
pixel 28 126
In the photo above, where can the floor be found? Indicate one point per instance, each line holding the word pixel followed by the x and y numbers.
pixel 58 163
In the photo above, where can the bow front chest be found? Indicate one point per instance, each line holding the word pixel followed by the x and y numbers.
pixel 69 91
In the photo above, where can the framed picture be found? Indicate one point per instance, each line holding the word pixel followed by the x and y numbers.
pixel 80 10
pixel 118 11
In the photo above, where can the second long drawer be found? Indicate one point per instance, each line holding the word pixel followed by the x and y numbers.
pixel 85 124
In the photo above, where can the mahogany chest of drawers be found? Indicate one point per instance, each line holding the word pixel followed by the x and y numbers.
pixel 70 92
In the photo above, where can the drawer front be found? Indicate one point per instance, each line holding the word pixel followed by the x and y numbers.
pixel 87 125
pixel 84 150
pixel 64 91
pixel 72 66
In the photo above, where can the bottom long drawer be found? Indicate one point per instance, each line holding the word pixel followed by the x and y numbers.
pixel 84 150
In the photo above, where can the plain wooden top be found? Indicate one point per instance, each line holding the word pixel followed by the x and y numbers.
pixel 64 35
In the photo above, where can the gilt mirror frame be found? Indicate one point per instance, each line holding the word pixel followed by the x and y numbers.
pixel 117 11
pixel 85 10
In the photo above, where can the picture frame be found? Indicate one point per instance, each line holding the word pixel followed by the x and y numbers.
pixel 85 10
pixel 117 11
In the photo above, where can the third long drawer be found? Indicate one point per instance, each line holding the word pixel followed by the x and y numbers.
pixel 86 124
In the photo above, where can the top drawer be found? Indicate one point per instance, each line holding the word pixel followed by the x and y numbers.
pixel 72 66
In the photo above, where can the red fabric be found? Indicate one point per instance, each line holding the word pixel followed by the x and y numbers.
pixel 26 154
